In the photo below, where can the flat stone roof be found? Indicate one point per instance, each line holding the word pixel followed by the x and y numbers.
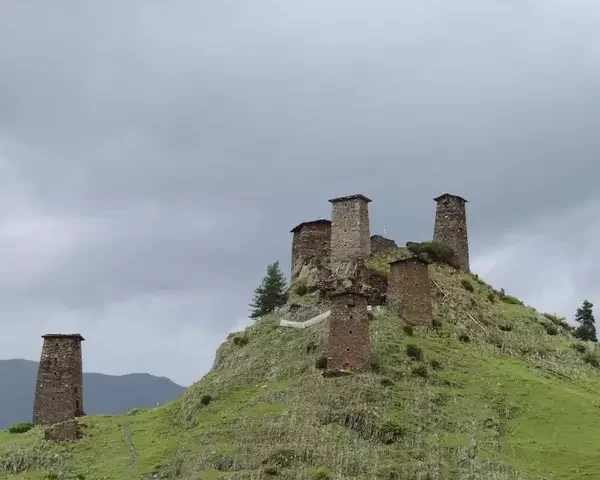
pixel 64 335
pixel 350 197
pixel 410 259
pixel 443 195
pixel 321 221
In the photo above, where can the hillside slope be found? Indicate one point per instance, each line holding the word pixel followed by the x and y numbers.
pixel 492 390
pixel 102 393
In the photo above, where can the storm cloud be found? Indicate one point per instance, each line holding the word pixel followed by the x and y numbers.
pixel 154 155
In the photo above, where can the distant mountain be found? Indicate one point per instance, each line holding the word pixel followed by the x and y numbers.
pixel 103 394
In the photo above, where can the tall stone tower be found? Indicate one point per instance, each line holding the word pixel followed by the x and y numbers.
pixel 350 232
pixel 59 393
pixel 451 227
pixel 310 244
pixel 408 290
pixel 349 333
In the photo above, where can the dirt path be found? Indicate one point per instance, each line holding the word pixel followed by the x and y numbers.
pixel 134 454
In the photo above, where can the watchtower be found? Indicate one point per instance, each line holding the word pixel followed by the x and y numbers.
pixel 349 333
pixel 311 244
pixel 59 393
pixel 408 290
pixel 451 227
pixel 350 232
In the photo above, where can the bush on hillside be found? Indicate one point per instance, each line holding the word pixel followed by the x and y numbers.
pixel 468 286
pixel 550 328
pixel 579 347
pixel 20 427
pixel 413 351
pixel 433 251
pixel 592 359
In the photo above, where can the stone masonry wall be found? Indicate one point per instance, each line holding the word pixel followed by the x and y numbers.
pixel 451 227
pixel 408 291
pixel 67 431
pixel 350 232
pixel 310 245
pixel 349 333
pixel 379 244
pixel 59 392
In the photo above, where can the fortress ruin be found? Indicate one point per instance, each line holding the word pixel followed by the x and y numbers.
pixel 59 389
pixel 310 245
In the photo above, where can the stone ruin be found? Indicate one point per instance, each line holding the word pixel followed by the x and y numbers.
pixel 331 257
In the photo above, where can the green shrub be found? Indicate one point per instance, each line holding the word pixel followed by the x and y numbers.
pixel 413 351
pixel 386 382
pixel 592 359
pixel 301 289
pixel 321 475
pixel 550 329
pixel 420 371
pixel 506 328
pixel 435 364
pixel 240 340
pixel 20 427
pixel 271 471
pixel 580 347
pixel 206 399
pixel 390 432
pixel 491 297
pixel 433 251
pixel 409 330
pixel 436 322
pixel 321 363
pixel 468 286
pixel 463 337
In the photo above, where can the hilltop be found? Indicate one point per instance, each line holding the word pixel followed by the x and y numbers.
pixel 490 389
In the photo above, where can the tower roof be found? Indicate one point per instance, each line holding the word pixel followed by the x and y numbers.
pixel 357 196
pixel 321 221
pixel 64 335
pixel 444 195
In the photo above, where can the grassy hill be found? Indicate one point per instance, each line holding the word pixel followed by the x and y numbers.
pixel 492 390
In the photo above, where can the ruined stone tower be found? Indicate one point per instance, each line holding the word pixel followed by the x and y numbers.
pixel 408 290
pixel 349 333
pixel 310 244
pixel 58 393
pixel 451 227
pixel 350 232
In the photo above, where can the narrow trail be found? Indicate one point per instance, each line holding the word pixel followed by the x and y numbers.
pixel 134 454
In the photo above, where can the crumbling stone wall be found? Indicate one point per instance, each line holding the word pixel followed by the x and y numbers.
pixel 59 392
pixel 67 431
pixel 350 231
pixel 310 245
pixel 408 291
pixel 380 244
pixel 451 227
pixel 349 333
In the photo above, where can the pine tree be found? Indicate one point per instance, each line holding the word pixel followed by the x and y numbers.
pixel 585 317
pixel 270 293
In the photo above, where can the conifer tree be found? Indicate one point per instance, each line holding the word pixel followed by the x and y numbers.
pixel 270 293
pixel 585 317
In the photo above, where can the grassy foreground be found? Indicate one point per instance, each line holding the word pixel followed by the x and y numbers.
pixel 492 390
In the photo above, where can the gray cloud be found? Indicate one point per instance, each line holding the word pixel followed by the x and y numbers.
pixel 154 156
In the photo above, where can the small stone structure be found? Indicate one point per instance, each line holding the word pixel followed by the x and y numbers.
pixel 310 245
pixel 408 291
pixel 380 244
pixel 349 333
pixel 59 392
pixel 350 232
pixel 451 227
pixel 67 431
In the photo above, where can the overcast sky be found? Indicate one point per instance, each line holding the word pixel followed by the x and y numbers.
pixel 154 155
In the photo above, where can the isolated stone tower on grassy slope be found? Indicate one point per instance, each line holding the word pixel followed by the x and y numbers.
pixel 311 244
pixel 350 232
pixel 59 392
pixel 451 227
pixel 349 334
pixel 408 291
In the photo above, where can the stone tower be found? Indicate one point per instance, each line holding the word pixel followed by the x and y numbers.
pixel 408 290
pixel 451 227
pixel 350 232
pixel 310 244
pixel 349 333
pixel 58 393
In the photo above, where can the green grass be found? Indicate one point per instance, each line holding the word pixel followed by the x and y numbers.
pixel 511 403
